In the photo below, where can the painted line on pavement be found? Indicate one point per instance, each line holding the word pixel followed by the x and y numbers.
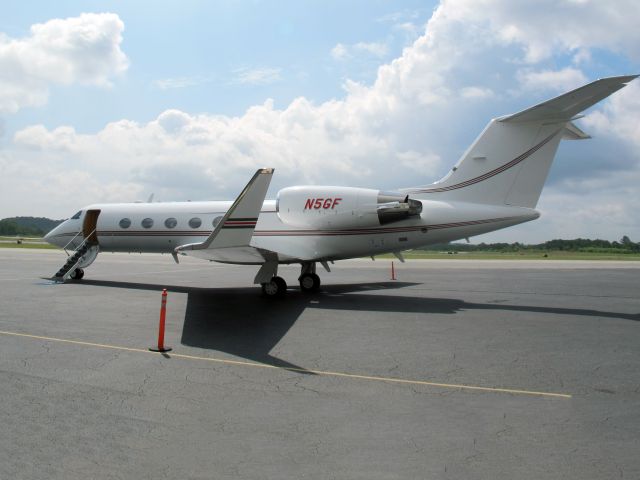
pixel 475 388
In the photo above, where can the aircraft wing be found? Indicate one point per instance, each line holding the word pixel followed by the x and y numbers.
pixel 229 241
pixel 564 107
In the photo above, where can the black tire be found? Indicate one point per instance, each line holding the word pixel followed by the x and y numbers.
pixel 77 274
pixel 309 282
pixel 276 288
pixel 282 285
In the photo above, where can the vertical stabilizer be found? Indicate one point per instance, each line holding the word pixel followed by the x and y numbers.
pixel 510 160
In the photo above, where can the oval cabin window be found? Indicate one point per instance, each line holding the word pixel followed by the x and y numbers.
pixel 125 223
pixel 170 222
pixel 195 222
pixel 147 223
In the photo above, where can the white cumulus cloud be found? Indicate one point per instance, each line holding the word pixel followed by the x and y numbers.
pixel 372 49
pixel 620 118
pixel 257 76
pixel 83 49
pixel 405 128
pixel 339 52
pixel 546 27
pixel 560 80
pixel 180 82
pixel 377 49
pixel 476 92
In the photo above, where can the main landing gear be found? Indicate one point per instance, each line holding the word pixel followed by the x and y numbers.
pixel 276 286
pixel 309 282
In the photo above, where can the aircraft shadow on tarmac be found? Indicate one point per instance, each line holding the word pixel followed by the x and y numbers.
pixel 242 323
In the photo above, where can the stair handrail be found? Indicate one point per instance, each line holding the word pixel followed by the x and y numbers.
pixel 86 239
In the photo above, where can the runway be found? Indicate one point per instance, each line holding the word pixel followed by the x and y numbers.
pixel 458 369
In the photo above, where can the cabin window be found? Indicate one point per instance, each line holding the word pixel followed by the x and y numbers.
pixel 170 222
pixel 195 222
pixel 147 223
pixel 76 216
pixel 216 221
pixel 125 223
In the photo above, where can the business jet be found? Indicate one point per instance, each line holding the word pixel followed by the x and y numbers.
pixel 496 184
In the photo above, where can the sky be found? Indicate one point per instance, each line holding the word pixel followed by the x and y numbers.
pixel 112 101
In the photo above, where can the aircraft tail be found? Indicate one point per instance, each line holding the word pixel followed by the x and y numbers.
pixel 510 160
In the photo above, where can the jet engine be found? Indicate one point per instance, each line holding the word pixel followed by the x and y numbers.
pixel 343 207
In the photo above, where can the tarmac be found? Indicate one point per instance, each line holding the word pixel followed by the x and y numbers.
pixel 458 370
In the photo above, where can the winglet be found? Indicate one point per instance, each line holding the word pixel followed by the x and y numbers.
pixel 236 227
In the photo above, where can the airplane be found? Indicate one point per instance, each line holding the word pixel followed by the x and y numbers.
pixel 496 184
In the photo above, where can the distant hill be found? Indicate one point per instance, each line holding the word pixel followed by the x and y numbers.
pixel 36 226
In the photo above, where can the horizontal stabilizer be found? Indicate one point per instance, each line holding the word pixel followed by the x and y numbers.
pixel 572 132
pixel 566 106
pixel 236 227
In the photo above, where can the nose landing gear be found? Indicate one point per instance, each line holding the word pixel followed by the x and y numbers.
pixel 77 274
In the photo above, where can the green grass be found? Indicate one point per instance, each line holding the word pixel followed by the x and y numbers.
pixel 11 242
pixel 523 255
pixel 13 238
pixel 14 244
pixel 25 242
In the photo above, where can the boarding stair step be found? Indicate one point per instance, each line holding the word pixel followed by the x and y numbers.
pixel 72 261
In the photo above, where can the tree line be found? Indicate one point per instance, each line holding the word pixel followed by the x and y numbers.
pixel 11 228
pixel 27 226
pixel 624 245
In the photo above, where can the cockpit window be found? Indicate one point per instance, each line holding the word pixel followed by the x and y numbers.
pixel 77 215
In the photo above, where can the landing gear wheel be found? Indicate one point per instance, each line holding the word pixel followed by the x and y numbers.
pixel 277 287
pixel 309 282
pixel 77 274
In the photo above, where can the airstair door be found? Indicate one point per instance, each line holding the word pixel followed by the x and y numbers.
pixel 89 226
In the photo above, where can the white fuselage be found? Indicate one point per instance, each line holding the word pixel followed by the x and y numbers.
pixel 507 165
pixel 126 228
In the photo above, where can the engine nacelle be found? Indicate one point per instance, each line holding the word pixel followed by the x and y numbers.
pixel 342 207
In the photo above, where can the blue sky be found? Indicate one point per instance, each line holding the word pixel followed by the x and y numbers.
pixel 115 100
pixel 207 46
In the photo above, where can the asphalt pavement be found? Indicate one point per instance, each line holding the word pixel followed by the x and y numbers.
pixel 457 369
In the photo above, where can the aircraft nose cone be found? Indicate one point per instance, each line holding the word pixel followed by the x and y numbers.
pixel 51 236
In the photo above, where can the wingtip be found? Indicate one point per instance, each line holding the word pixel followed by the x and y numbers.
pixel 620 79
pixel 628 78
pixel 266 170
